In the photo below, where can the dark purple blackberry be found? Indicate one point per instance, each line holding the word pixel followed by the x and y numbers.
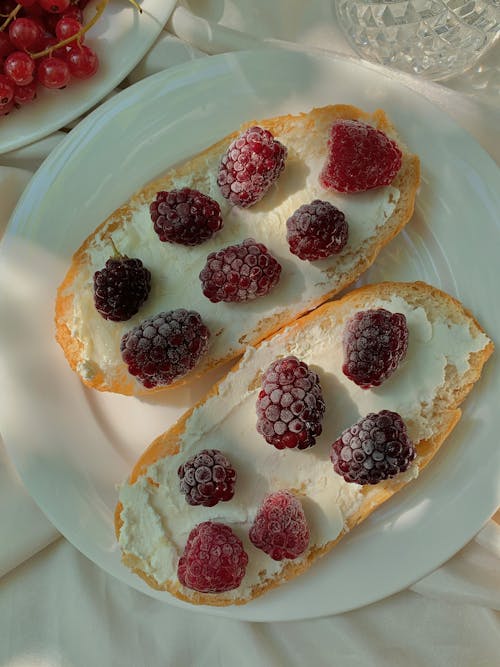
pixel 121 287
pixel 251 164
pixel 374 448
pixel 239 272
pixel 316 230
pixel 185 216
pixel 290 406
pixel 374 342
pixel 206 478
pixel 165 347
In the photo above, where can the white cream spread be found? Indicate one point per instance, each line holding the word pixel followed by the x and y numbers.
pixel 157 520
pixel 175 268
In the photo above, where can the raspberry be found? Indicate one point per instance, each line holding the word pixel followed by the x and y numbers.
pixel 185 216
pixel 239 272
pixel 290 405
pixel 375 448
pixel 214 560
pixel 374 341
pixel 280 528
pixel 316 230
pixel 360 158
pixel 164 347
pixel 121 287
pixel 207 478
pixel 251 164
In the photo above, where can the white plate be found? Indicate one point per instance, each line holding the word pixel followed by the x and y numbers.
pixel 120 38
pixel 72 446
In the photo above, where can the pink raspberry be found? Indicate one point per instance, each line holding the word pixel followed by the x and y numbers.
pixel 239 272
pixel 206 478
pixel 214 560
pixel 374 342
pixel 280 527
pixel 316 230
pixel 251 164
pixel 375 448
pixel 290 405
pixel 360 158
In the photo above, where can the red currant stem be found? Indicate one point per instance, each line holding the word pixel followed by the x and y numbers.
pixel 10 16
pixel 99 10
pixel 136 5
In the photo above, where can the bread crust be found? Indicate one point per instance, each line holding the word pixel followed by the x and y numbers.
pixel 119 381
pixel 446 414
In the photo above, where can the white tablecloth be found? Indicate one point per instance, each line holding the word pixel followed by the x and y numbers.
pixel 58 609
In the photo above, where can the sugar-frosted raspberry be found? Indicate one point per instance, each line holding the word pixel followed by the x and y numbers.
pixel 251 164
pixel 360 157
pixel 290 405
pixel 316 230
pixel 374 342
pixel 375 448
pixel 121 287
pixel 214 559
pixel 280 527
pixel 239 272
pixel 165 347
pixel 185 216
pixel 206 478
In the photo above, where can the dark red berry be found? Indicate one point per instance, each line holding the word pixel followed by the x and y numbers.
pixel 251 164
pixel 360 157
pixel 185 216
pixel 214 559
pixel 165 347
pixel 374 342
pixel 121 287
pixel 239 272
pixel 206 478
pixel 290 405
pixel 375 448
pixel 316 230
pixel 280 527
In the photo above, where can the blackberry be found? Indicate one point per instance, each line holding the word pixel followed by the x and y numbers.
pixel 207 478
pixel 290 405
pixel 121 287
pixel 374 343
pixel 185 216
pixel 239 272
pixel 165 347
pixel 375 448
pixel 251 164
pixel 316 230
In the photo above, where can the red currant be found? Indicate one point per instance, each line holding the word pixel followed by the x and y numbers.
pixel 6 45
pixel 53 72
pixel 83 62
pixel 6 108
pixel 54 6
pixel 25 94
pixel 75 13
pixel 24 33
pixel 7 89
pixel 19 67
pixel 26 3
pixel 66 27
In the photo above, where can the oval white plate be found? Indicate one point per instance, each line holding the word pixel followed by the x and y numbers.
pixel 72 446
pixel 120 38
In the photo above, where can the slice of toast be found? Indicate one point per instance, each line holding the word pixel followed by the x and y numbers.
pixel 446 353
pixel 92 344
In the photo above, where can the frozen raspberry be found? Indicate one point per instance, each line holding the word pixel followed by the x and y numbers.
pixel 280 527
pixel 121 287
pixel 251 164
pixel 375 448
pixel 316 230
pixel 375 342
pixel 360 158
pixel 290 405
pixel 185 216
pixel 239 272
pixel 214 560
pixel 207 478
pixel 165 347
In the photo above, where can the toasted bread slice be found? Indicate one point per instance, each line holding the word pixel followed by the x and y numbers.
pixel 446 353
pixel 92 344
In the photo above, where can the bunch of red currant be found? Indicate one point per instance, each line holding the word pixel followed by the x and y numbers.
pixel 42 43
